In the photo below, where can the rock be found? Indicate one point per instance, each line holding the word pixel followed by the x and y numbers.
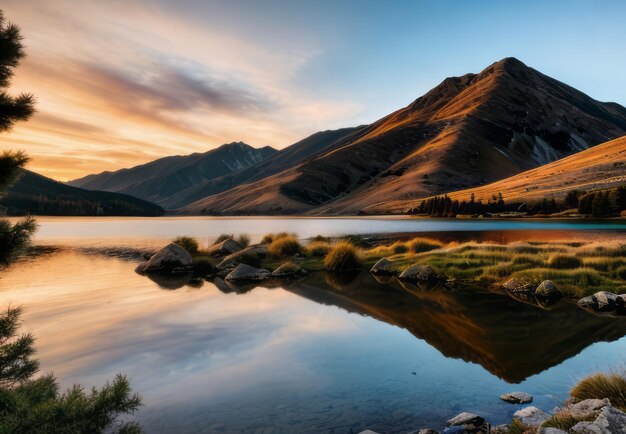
pixel 384 267
pixel 517 285
pixel 500 429
pixel 602 301
pixel 172 259
pixel 252 254
pixel 531 416
pixel 551 431
pixel 610 420
pixel 368 431
pixel 243 273
pixel 226 247
pixel 467 423
pixel 419 272
pixel 517 398
pixel 547 289
pixel 288 270
pixel 427 431
pixel 606 301
pixel 587 408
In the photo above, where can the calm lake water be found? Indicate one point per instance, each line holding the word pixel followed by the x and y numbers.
pixel 318 355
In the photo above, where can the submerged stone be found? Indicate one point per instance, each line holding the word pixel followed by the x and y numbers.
pixel 518 285
pixel 243 273
pixel 467 423
pixel 517 398
pixel 288 269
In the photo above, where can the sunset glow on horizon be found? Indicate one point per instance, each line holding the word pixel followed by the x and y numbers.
pixel 121 83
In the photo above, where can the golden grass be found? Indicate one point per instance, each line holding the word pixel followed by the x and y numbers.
pixel 343 256
pixel 318 248
pixel 562 261
pixel 418 245
pixel 286 245
pixel 600 386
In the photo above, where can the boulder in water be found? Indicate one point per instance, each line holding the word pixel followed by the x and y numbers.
pixel 171 259
pixel 517 398
pixel 531 416
pixel 418 273
pixel 226 247
pixel 384 267
pixel 246 273
pixel 547 289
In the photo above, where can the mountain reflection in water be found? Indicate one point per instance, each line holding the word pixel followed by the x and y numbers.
pixel 510 338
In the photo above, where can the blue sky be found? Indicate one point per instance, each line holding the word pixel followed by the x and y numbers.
pixel 126 81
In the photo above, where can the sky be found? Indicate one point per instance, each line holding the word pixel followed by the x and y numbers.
pixel 120 83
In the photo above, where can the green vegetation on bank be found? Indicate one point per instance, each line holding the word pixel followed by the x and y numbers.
pixel 577 268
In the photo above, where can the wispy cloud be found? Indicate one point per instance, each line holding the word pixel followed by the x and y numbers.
pixel 138 77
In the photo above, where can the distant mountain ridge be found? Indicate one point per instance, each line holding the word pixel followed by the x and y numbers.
pixel 160 181
pixel 35 194
pixel 467 131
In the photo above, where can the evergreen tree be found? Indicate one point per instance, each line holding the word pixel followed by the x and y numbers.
pixel 13 238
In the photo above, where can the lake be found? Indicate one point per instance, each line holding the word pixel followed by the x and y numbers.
pixel 317 355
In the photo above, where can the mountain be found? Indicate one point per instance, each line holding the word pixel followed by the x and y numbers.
pixel 161 180
pixel 286 158
pixel 467 131
pixel 37 195
pixel 600 167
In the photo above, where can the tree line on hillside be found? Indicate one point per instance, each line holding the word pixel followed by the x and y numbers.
pixel 601 203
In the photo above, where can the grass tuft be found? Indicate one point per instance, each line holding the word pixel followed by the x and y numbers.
pixel 318 248
pixel 343 256
pixel 284 246
pixel 223 237
pixel 600 386
pixel 418 245
pixel 564 261
pixel 188 243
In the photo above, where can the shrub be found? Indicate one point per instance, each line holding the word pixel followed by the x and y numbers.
pixel 318 248
pixel 343 256
pixel 564 261
pixel 268 238
pixel 243 240
pixel 202 266
pixel 600 386
pixel 417 245
pixel 321 238
pixel 224 237
pixel 284 246
pixel 187 243
pixel 399 247
pixel 36 405
pixel 355 240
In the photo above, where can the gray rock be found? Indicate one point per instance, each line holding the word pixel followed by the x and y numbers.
pixel 518 285
pixel 517 398
pixel 427 431
pixel 368 431
pixel 500 429
pixel 588 303
pixel 226 247
pixel 243 273
pixel 230 261
pixel 418 272
pixel 172 259
pixel 384 267
pixel 587 408
pixel 609 421
pixel 467 423
pixel 288 269
pixel 531 416
pixel 547 289
pixel 606 301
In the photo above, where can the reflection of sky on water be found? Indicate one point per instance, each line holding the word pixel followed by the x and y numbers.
pixel 208 360
pixel 142 232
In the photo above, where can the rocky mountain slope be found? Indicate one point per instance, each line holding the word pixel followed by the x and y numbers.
pixel 160 181
pixel 466 132
pixel 601 167
pixel 35 194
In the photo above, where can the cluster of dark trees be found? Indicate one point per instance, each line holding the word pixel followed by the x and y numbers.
pixel 30 404
pixel 443 206
pixel 601 203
